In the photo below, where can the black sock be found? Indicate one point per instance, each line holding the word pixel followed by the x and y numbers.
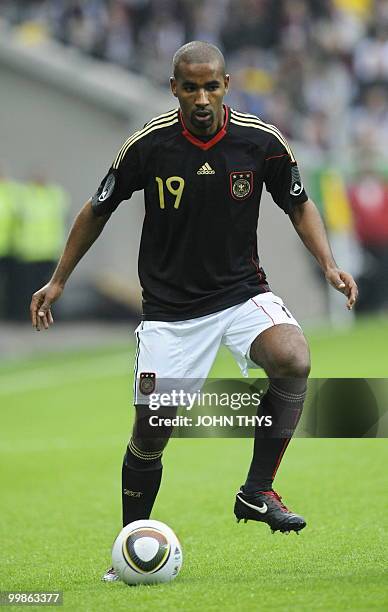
pixel 140 477
pixel 284 403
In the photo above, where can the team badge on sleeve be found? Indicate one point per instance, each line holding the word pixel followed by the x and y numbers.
pixel 296 181
pixel 147 382
pixel 241 184
pixel 108 188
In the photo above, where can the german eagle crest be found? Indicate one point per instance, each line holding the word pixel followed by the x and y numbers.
pixel 241 184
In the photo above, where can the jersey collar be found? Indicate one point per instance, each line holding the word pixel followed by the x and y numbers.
pixel 210 143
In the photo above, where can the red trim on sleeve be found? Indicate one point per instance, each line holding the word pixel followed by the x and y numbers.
pixel 210 143
pixel 275 156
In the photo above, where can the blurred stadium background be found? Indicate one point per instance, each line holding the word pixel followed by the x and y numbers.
pixel 76 77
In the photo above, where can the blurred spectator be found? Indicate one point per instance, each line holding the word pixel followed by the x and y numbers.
pixel 371 56
pixel 80 24
pixel 297 25
pixel 39 237
pixel 209 19
pixel 160 38
pixel 368 194
pixel 368 121
pixel 119 46
pixel 250 23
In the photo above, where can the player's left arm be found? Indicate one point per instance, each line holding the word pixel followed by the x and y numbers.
pixel 309 225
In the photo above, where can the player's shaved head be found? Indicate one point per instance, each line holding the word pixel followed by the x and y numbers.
pixel 198 52
pixel 200 84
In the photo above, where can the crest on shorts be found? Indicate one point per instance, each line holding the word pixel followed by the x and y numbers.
pixel 241 184
pixel 147 382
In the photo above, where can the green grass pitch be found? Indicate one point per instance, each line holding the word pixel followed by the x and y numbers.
pixel 64 425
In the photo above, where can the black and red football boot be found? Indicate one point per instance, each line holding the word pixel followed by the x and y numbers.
pixel 267 507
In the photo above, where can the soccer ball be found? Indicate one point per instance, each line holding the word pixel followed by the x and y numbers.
pixel 146 552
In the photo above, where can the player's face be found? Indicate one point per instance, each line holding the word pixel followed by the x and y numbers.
pixel 200 89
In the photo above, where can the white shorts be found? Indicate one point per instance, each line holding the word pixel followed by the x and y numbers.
pixel 186 350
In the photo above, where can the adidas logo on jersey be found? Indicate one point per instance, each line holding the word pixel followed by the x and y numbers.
pixel 206 169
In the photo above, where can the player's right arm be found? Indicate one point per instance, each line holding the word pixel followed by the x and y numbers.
pixel 84 231
pixel 124 177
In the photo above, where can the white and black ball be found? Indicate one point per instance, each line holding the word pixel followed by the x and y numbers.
pixel 147 552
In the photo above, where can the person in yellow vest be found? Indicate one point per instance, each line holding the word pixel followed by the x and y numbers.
pixel 8 200
pixel 39 236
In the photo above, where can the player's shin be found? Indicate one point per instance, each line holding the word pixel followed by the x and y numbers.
pixel 140 478
pixel 142 466
pixel 283 402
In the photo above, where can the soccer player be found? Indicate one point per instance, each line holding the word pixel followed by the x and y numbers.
pixel 202 167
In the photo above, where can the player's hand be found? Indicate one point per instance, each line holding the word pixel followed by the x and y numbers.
pixel 40 307
pixel 345 283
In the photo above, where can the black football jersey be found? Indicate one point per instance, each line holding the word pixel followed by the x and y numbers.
pixel 198 252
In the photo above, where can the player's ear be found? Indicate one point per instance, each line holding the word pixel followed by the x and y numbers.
pixel 173 86
pixel 226 82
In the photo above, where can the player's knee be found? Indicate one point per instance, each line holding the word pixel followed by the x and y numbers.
pixel 150 438
pixel 298 367
pixel 292 362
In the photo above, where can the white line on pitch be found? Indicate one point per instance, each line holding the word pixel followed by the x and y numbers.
pixel 65 373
